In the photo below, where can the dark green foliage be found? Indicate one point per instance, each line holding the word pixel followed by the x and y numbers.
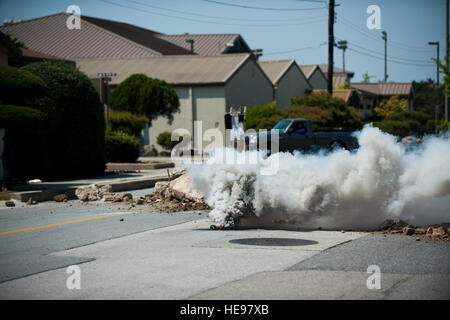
pixel 75 145
pixel 426 95
pixel 321 109
pixel 262 117
pixel 406 123
pixel 19 86
pixel 142 95
pixel 121 147
pixel 164 139
pixel 22 146
pixel 127 122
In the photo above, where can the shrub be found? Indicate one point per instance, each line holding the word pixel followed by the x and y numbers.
pixel 18 86
pixel 76 143
pixel 323 111
pixel 142 95
pixel 121 147
pixel 262 117
pixel 21 142
pixel 406 123
pixel 164 139
pixel 391 106
pixel 127 122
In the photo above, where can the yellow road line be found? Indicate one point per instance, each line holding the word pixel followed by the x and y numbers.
pixel 69 222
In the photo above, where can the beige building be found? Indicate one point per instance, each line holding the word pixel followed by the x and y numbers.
pixel 314 75
pixel 287 79
pixel 206 85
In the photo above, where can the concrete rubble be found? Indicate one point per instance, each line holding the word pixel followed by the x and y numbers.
pixel 174 195
pixel 434 232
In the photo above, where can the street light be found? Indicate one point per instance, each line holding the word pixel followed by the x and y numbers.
pixel 384 37
pixel 342 45
pixel 436 113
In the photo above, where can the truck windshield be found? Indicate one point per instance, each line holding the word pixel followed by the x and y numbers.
pixel 283 124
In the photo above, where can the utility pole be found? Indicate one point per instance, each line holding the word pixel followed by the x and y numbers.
pixel 342 45
pixel 385 54
pixel 436 112
pixel 446 59
pixel 330 45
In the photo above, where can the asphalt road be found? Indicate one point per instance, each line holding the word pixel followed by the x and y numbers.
pixel 150 255
pixel 29 234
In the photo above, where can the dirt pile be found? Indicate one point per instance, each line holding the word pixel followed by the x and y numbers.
pixel 434 232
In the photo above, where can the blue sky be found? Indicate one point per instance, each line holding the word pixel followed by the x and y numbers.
pixel 284 29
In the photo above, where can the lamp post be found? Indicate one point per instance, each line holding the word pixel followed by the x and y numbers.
pixel 342 45
pixel 436 112
pixel 384 37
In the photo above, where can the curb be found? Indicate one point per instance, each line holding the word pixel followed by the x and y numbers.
pixel 138 166
pixel 48 194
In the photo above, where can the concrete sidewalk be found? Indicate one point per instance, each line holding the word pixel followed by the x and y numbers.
pixel 45 191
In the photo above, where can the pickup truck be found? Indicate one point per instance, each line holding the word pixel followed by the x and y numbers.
pixel 298 134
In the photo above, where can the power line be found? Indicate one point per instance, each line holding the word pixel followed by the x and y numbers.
pixel 390 60
pixel 394 57
pixel 262 8
pixel 208 22
pixel 217 17
pixel 298 49
pixel 395 44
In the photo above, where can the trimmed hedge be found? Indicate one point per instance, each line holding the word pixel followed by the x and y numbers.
pixel 76 142
pixel 18 86
pixel 405 123
pixel 164 139
pixel 22 148
pixel 127 122
pixel 121 147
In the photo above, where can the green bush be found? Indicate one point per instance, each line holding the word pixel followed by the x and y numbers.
pixel 406 123
pixel 321 109
pixel 142 95
pixel 121 147
pixel 76 142
pixel 164 139
pixel 21 146
pixel 262 117
pixel 127 122
pixel 18 86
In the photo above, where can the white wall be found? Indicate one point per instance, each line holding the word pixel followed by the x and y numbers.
pixel 206 104
pixel 293 83
pixel 249 87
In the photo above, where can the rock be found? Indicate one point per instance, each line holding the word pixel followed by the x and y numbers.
pixel 92 192
pixel 10 203
pixel 140 201
pixel 439 232
pixel 388 223
pixel 29 201
pixel 161 186
pixel 108 196
pixel 61 197
pixel 180 188
pixel 118 197
pixel 127 197
pixel 420 231
pixel 408 230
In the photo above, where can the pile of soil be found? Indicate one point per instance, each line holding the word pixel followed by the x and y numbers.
pixel 172 204
pixel 433 232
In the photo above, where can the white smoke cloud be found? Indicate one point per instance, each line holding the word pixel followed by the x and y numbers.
pixel 355 190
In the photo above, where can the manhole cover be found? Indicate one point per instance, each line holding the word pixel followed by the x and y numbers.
pixel 276 242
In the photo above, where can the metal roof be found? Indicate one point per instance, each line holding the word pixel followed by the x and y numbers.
pixel 50 35
pixel 207 44
pixel 308 69
pixel 385 89
pixel 175 70
pixel 275 69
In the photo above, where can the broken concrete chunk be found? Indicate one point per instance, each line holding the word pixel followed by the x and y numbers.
pixel 10 203
pixel 61 197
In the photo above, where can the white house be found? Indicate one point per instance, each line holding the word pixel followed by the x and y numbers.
pixel 206 85
pixel 287 79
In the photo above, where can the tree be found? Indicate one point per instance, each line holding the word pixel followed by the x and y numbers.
pixel 262 116
pixel 19 87
pixel 74 144
pixel 391 106
pixel 142 95
pixel 366 78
